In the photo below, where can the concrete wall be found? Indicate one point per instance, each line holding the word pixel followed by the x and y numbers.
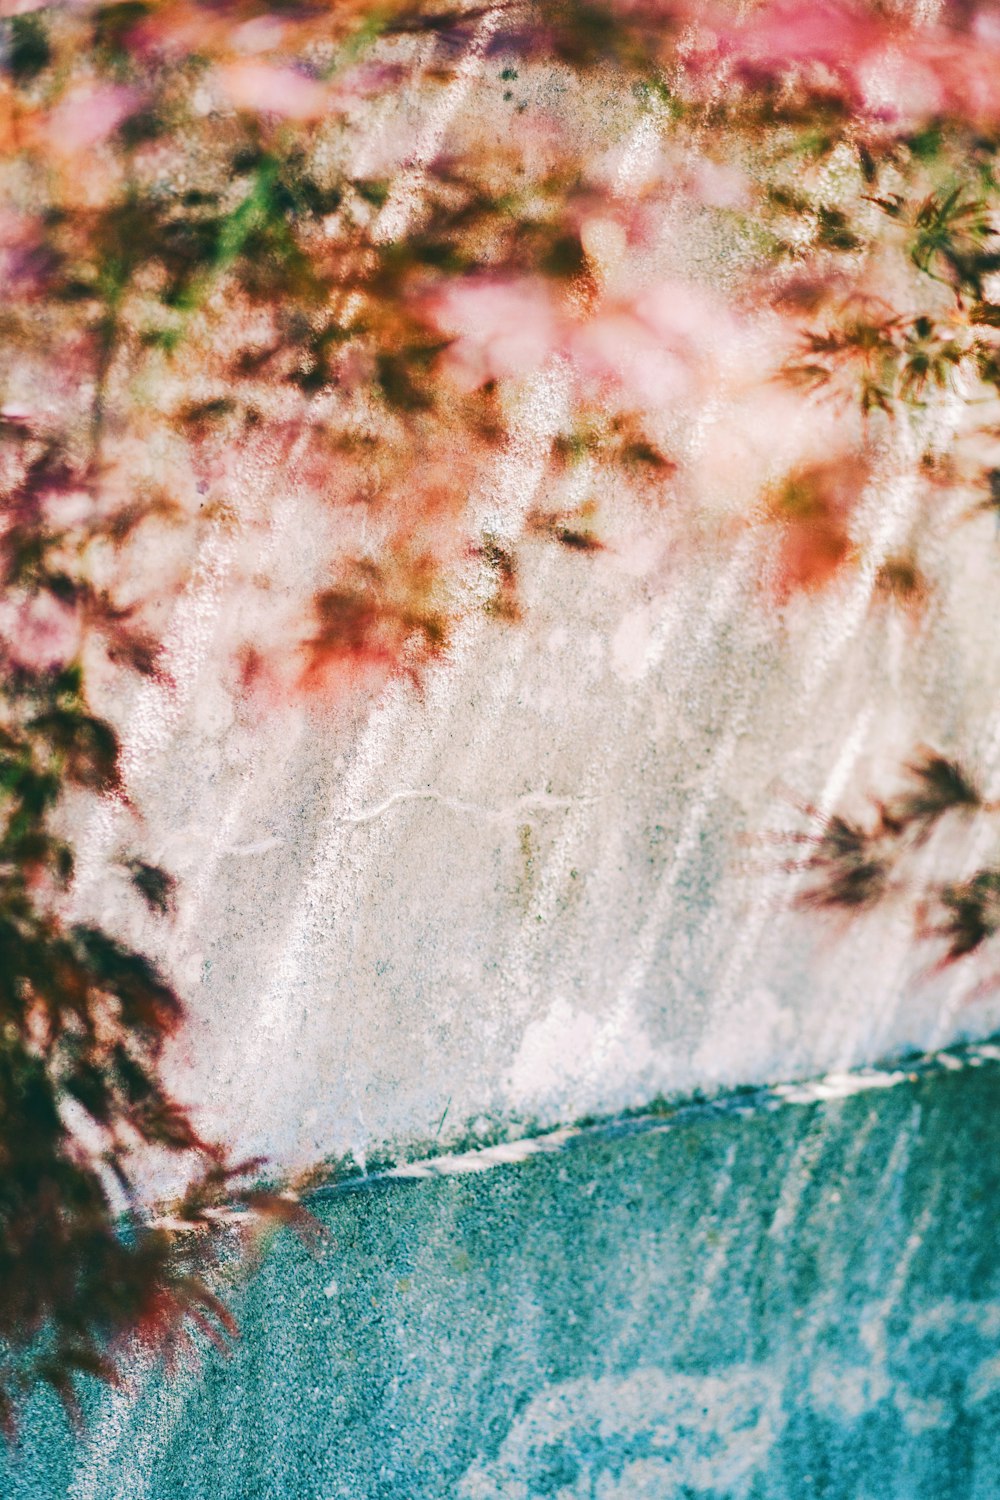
pixel 543 887
pixel 538 889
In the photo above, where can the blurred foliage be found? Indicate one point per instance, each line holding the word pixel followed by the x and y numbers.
pixel 249 245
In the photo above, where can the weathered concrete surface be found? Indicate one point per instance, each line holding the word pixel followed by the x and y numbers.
pixel 540 888
pixel 750 1305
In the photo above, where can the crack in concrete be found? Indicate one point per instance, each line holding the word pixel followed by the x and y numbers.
pixel 531 801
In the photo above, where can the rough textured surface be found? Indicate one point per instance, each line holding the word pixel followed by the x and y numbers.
pixel 540 888
pixel 757 1303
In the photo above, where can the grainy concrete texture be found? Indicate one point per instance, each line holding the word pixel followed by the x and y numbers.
pixel 758 1302
pixel 543 887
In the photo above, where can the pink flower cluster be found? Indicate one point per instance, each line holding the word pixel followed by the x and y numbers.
pixel 649 348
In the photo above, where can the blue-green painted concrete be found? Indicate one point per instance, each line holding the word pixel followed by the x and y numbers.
pixel 790 1303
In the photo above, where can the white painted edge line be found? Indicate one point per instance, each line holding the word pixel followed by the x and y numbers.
pixel 767 1098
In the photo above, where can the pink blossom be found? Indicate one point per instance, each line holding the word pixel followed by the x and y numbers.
pixel 654 344
pixel 18 412
pixel 66 509
pixel 258 35
pixel 966 69
pixel 904 87
pixel 14 227
pixel 831 32
pixel 898 70
pixel 502 328
pixel 719 186
pixel 41 632
pixel 617 347
pixel 680 313
pixel 87 116
pixel 362 81
pixel 26 262
pixel 986 28
pixel 274 91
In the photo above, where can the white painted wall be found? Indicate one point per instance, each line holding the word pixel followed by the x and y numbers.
pixel 539 888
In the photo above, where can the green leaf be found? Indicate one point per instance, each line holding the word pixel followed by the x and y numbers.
pixel 154 885
pixel 29 53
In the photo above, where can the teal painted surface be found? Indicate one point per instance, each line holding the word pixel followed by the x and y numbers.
pixel 789 1303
